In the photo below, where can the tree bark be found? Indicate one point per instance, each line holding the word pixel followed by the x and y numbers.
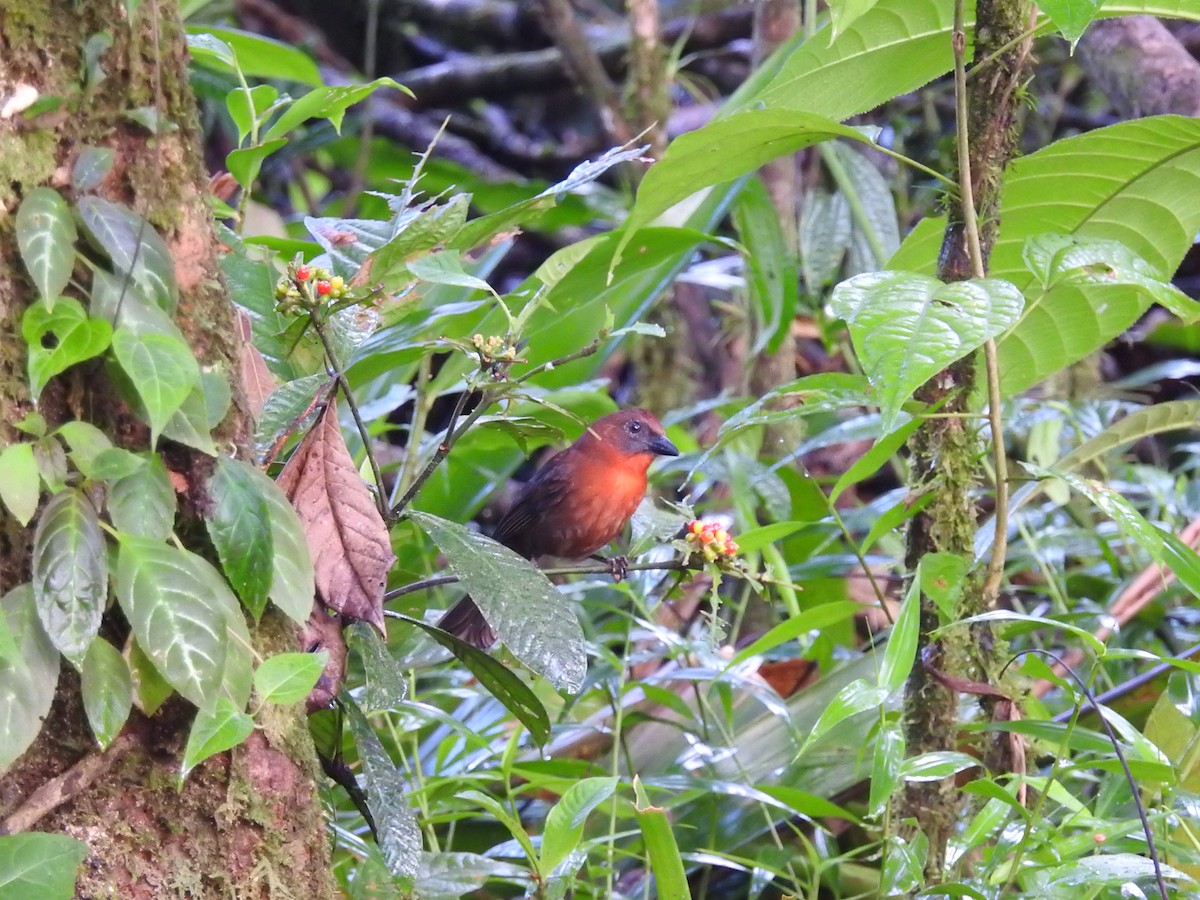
pixel 246 823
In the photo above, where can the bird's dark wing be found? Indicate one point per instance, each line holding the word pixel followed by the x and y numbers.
pixel 520 528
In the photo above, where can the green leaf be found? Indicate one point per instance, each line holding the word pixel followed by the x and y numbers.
pixel 215 731
pixel 1127 192
pixel 70 573
pixel 857 696
pixel 90 168
pixel 446 268
pixel 825 234
pixel 287 678
pixel 885 767
pixel 908 327
pixel 27 683
pixel 86 442
pixel 39 865
pixel 46 238
pixel 418 231
pixel 134 247
pixel 935 766
pixel 59 338
pixel 292 582
pixel 190 423
pixel 843 12
pixel 167 595
pixel 722 151
pixel 239 524
pixel 386 685
pixel 230 50
pixel 499 681
pixel 524 609
pixel 814 618
pixel 143 503
pixel 770 267
pixel 247 106
pixel 1071 17
pixel 252 287
pixel 291 405
pixel 395 824
pixel 245 164
pixel 666 862
pixel 162 370
pixel 20 483
pixel 565 821
pixel 327 103
pixel 150 688
pixel 942 578
pixel 901 650
pixel 107 690
pixel 874 459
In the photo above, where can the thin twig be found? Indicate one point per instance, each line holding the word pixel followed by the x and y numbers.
pixel 335 366
pixel 67 786
pixel 443 449
pixel 995 571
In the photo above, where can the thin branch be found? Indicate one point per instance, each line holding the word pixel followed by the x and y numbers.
pixel 443 449
pixel 319 324
pixel 995 571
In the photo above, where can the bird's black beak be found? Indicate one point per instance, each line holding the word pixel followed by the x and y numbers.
pixel 661 446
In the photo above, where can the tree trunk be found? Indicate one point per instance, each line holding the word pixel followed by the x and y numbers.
pixel 246 823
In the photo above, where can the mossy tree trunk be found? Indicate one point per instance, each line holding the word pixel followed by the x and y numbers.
pixel 247 823
pixel 945 453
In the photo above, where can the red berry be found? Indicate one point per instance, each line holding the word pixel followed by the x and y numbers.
pixel 303 273
pixel 323 288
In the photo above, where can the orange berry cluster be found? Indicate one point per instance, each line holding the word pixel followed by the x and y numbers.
pixel 305 287
pixel 711 539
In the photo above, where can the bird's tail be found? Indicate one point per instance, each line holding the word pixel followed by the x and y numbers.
pixel 465 621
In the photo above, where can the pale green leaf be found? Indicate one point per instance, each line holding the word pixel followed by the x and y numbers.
pixel 107 690
pixel 27 684
pixel 46 238
pixel 20 483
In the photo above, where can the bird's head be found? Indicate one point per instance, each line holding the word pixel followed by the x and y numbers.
pixel 635 433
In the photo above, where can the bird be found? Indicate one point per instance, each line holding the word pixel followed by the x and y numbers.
pixel 576 503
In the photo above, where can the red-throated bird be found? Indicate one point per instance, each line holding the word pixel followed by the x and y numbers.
pixel 576 503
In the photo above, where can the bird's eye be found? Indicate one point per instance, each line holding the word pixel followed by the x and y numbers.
pixel 635 427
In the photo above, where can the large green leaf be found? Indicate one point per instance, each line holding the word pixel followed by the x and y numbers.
pixel 134 247
pixel 59 337
pixel 723 151
pixel 1130 183
pixel 239 525
pixel 523 608
pixel 70 573
pixel 395 824
pixel 908 327
pixel 565 821
pixel 27 684
pixel 230 50
pixel 143 502
pixel 46 238
pixel 168 598
pixel 39 865
pixel 162 370
pixel 292 582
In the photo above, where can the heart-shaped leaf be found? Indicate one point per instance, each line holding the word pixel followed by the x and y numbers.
pixel 58 337
pixel 908 327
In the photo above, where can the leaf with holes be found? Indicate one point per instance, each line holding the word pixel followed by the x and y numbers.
pixel 523 608
pixel 20 483
pixel 134 247
pixel 70 573
pixel 107 690
pixel 908 327
pixel 292 580
pixel 60 337
pixel 27 683
pixel 239 525
pixel 46 238
pixel 162 370
pixel 166 595
pixel 350 547
pixel 215 731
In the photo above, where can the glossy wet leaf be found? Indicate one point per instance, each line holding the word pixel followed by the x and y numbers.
pixel 107 690
pixel 239 526
pixel 27 684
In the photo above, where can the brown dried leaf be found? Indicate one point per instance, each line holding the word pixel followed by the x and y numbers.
pixel 347 538
pixel 324 632
pixel 257 380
